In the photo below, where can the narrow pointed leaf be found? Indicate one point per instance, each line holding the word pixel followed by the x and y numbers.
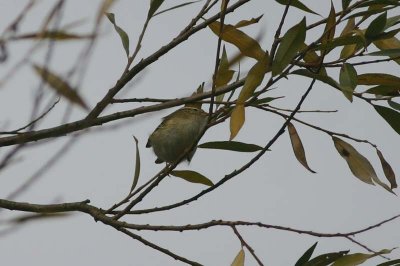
pixel 387 169
pixel 391 43
pixel 290 45
pixel 358 258
pixel 52 35
pixel 247 45
pixel 231 146
pixel 358 164
pixel 122 34
pixel 378 79
pixel 323 78
pixel 266 100
pixel 376 27
pixel 154 6
pixel 325 259
pixel 330 26
pixel 244 23
pixel 345 4
pixel 237 120
pixel 137 166
pixel 297 4
pixel 192 176
pixel 389 52
pixel 175 7
pixel 390 263
pixel 391 116
pixel 384 90
pixel 298 148
pixel 224 74
pixel 348 80
pixel 306 256
pixel 60 86
pixel 350 25
pixel 239 259
pixel 394 105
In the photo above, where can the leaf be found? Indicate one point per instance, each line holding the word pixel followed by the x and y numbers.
pixel 298 148
pixel 390 263
pixel 391 116
pixel 231 146
pixel 387 169
pixel 348 80
pixel 137 166
pixel 266 100
pixel 253 80
pixel 291 43
pixel 358 258
pixel 389 52
pixel 376 27
pixel 345 4
pixel 350 25
pixel 384 90
pixel 175 7
pixel 239 259
pixel 244 23
pixel 355 42
pixel 237 120
pixel 52 35
pixel 154 5
pixel 122 34
pixel 247 45
pixel 325 259
pixel 297 4
pixel 60 86
pixel 192 176
pixel 378 79
pixel 224 74
pixel 326 79
pixel 358 164
pixel 394 105
pixel 329 31
pixel 391 43
pixel 306 256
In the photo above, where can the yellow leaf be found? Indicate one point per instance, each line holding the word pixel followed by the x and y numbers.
pixel 247 45
pixel 298 148
pixel 378 79
pixel 330 26
pixel 237 120
pixel 60 86
pixel 239 259
pixel 387 169
pixel 392 43
pixel 349 27
pixel 244 23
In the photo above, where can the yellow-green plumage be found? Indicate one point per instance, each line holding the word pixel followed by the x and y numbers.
pixel 177 133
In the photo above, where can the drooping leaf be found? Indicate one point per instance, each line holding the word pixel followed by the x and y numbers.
pixel 60 86
pixel 224 74
pixel 326 79
pixel 330 27
pixel 297 4
pixel 247 45
pixel 239 259
pixel 122 34
pixel 384 90
pixel 391 116
pixel 325 259
pixel 247 22
pixel 376 27
pixel 391 43
pixel 387 169
pixel 154 6
pixel 391 22
pixel 290 45
pixel 231 146
pixel 237 120
pixel 358 164
pixel 175 7
pixel 378 79
pixel 137 166
pixel 358 258
pixel 298 148
pixel 192 176
pixel 306 256
pixel 394 105
pixel 348 80
pixel 253 80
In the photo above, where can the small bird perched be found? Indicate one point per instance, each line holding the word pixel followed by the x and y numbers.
pixel 177 133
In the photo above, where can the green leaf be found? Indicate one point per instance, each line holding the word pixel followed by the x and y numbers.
pixel 59 35
pixel 350 25
pixel 394 105
pixel 391 43
pixel 122 34
pixel 326 79
pixel 348 80
pixel 391 116
pixel 384 90
pixel 175 7
pixel 346 40
pixel 325 259
pixel 297 4
pixel 60 86
pixel 231 146
pixel 392 21
pixel 345 4
pixel 266 100
pixel 291 43
pixel 306 256
pixel 378 79
pixel 376 27
pixel 154 5
pixel 137 166
pixel 239 259
pixel 297 146
pixel 357 258
pixel 192 176
pixel 390 263
pixel 389 52
pixel 387 170
pixel 330 27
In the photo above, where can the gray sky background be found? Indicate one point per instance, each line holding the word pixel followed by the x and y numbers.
pixel 276 190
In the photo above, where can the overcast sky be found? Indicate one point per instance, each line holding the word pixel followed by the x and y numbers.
pixel 276 190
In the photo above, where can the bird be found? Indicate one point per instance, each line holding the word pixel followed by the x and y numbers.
pixel 178 133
